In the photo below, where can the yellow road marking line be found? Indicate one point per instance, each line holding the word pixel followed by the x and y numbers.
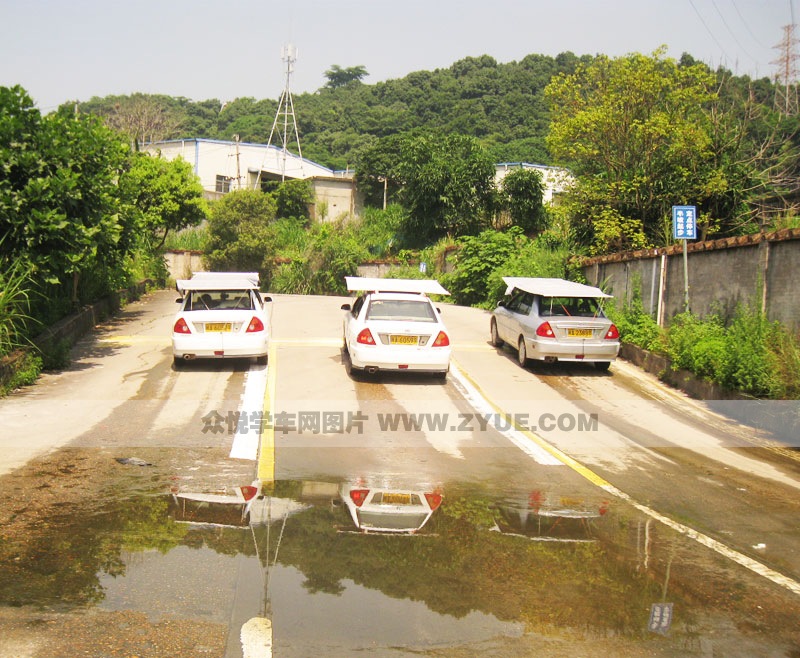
pixel 266 448
pixel 594 478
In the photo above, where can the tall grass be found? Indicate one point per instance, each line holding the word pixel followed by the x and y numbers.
pixel 15 295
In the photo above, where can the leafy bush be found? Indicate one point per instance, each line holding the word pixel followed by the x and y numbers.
pixel 636 326
pixel 478 257
pixel 698 345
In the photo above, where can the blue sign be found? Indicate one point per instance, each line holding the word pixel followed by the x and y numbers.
pixel 660 618
pixel 684 222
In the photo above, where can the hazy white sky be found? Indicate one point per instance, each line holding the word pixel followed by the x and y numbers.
pixel 61 50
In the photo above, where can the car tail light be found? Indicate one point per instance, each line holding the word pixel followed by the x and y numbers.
pixel 181 327
pixel 358 496
pixel 545 330
pixel 365 337
pixel 441 340
pixel 255 326
pixel 434 500
pixel 612 333
pixel 248 492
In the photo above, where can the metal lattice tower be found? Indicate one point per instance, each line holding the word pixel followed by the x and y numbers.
pixel 786 77
pixel 285 119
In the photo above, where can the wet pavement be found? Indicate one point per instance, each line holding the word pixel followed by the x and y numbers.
pixel 107 559
pixel 138 535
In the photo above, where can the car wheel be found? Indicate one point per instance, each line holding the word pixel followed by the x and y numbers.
pixel 602 366
pixel 522 352
pixel 496 340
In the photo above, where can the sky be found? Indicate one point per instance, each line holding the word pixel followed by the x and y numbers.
pixel 61 51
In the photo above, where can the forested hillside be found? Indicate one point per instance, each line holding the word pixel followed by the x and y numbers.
pixel 502 105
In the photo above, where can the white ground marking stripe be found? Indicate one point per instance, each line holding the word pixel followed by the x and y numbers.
pixel 246 438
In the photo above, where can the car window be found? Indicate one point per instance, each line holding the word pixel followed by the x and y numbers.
pixel 207 300
pixel 401 309
pixel 582 307
pixel 357 306
pixel 521 302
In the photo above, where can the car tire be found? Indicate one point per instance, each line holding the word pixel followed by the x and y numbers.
pixel 261 360
pixel 602 366
pixel 495 339
pixel 522 352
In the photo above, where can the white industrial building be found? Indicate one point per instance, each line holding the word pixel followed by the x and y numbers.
pixel 227 166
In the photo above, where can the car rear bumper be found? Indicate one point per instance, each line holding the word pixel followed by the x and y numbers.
pixel 400 358
pixel 577 351
pixel 220 346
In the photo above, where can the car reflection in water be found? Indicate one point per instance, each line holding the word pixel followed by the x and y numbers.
pixel 548 516
pixel 237 506
pixel 381 509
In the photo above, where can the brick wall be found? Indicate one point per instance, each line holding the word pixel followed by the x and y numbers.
pixel 761 270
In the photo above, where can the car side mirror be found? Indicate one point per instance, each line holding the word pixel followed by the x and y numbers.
pixel 346 307
pixel 267 299
pixel 501 303
pixel 438 310
pixel 179 300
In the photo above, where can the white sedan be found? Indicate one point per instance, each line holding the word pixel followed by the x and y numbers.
pixel 394 326
pixel 222 315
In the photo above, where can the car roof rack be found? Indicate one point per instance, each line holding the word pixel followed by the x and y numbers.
pixel 552 287
pixel 375 284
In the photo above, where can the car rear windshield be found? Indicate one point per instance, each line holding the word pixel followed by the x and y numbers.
pixel 208 300
pixel 581 307
pixel 401 309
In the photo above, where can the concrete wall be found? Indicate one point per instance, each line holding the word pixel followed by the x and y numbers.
pixel 182 264
pixel 761 270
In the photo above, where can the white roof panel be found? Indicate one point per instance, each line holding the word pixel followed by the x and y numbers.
pixel 552 287
pixel 219 281
pixel 374 284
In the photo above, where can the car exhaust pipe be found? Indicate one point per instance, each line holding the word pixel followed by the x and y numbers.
pixel 188 357
pixel 372 370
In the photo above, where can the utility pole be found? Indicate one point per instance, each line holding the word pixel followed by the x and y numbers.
pixel 786 77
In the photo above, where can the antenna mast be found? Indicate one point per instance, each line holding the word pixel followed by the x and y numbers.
pixel 285 119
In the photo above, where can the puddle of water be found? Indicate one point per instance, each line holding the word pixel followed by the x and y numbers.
pixel 510 569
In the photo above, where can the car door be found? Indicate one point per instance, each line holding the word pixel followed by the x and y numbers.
pixel 510 316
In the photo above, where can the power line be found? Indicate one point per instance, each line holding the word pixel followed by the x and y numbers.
pixel 708 29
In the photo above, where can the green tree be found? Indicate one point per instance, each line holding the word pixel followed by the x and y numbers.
pixel 59 198
pixel 523 199
pixel 164 195
pixel 448 187
pixel 633 132
pixel 293 198
pixel 239 232
pixel 339 77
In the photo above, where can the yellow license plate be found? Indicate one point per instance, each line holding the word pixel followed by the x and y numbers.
pixel 218 326
pixel 579 333
pixel 396 499
pixel 403 340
